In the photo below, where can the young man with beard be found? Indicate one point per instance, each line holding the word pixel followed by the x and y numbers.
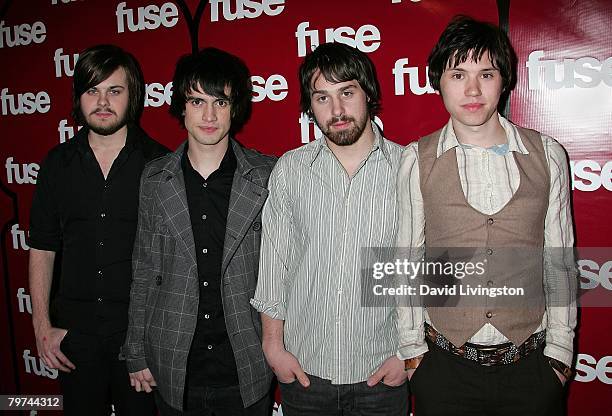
pixel 503 191
pixel 85 207
pixel 192 332
pixel 328 200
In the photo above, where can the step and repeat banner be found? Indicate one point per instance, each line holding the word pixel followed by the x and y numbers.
pixel 564 89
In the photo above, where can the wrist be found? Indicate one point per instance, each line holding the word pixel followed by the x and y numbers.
pixel 561 367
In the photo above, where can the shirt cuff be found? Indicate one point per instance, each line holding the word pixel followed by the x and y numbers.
pixel 410 351
pixel 559 353
pixel 273 309
pixel 134 365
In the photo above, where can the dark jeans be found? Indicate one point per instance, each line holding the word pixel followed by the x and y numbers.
pixel 100 378
pixel 216 401
pixel 322 398
pixel 445 384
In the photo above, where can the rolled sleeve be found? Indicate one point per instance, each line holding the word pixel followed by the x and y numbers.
pixel 276 249
pixel 560 272
pixel 410 237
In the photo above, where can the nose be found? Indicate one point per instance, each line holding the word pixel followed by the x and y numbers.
pixel 472 88
pixel 102 99
pixel 209 113
pixel 337 107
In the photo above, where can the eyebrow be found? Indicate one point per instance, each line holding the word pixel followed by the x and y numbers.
pixel 341 89
pixel 482 70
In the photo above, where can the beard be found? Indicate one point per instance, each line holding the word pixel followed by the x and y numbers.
pixel 105 129
pixel 347 136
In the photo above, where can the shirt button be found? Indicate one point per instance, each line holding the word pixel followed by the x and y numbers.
pixel 100 273
pixel 489 251
pixel 99 299
pixel 203 216
pixel 489 315
pixel 102 215
pixel 339 291
pixel 101 243
pixel 205 185
pixel 204 283
pixel 206 316
pixel 490 221
pixel 210 347
pixel 204 250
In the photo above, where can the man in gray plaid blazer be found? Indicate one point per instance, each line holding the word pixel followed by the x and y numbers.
pixel 192 336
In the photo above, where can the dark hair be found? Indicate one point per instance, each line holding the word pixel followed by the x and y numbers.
pixel 97 63
pixel 338 62
pixel 211 70
pixel 466 38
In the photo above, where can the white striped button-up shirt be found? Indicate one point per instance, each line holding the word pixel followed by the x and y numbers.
pixel 314 224
pixel 489 178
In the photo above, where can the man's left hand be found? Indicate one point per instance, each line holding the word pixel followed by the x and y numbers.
pixel 391 373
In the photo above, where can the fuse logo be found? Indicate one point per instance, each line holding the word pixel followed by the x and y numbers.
pixel 64 62
pixel 24 103
pixel 245 9
pixel 23 301
pixel 19 238
pixel 21 173
pixel 400 69
pixel 588 369
pixel 37 366
pixel 366 38
pixel 589 175
pixel 158 94
pixel 592 275
pixel 274 88
pixel 148 17
pixel 22 35
pixel 66 132
pixel 584 72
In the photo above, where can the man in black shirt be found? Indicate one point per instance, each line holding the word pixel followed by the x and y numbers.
pixel 192 332
pixel 85 206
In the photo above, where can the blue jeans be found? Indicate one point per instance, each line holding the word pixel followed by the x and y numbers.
pixel 322 398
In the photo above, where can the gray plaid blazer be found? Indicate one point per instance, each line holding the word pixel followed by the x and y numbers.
pixel 164 294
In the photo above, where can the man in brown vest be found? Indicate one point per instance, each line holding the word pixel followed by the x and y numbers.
pixel 502 191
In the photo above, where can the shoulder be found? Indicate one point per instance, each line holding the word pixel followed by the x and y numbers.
pixel 260 160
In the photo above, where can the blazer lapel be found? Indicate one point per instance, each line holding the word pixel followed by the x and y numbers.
pixel 173 202
pixel 246 201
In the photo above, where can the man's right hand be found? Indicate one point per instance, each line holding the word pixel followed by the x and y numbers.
pixel 286 367
pixel 143 380
pixel 48 342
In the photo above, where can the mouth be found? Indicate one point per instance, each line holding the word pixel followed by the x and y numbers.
pixel 208 129
pixel 473 107
pixel 103 115
pixel 341 124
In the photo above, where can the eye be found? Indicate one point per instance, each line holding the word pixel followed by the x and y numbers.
pixel 115 91
pixel 457 75
pixel 91 91
pixel 347 93
pixel 195 102
pixel 222 103
pixel 321 99
pixel 487 75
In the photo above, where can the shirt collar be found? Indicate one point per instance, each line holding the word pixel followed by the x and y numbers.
pixel 228 163
pixel 448 139
pixel 379 143
pixel 133 139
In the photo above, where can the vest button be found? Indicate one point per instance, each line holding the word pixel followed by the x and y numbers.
pixel 489 315
pixel 489 251
pixel 490 283
pixel 490 221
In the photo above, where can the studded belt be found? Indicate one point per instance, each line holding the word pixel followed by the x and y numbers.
pixel 501 354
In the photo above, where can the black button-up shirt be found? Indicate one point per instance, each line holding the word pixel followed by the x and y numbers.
pixel 211 359
pixel 92 223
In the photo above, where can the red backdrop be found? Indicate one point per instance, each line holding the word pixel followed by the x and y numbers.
pixel 564 89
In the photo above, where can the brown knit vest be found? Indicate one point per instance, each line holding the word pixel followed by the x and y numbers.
pixel 450 221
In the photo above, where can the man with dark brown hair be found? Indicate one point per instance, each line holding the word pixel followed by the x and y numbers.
pixel 85 207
